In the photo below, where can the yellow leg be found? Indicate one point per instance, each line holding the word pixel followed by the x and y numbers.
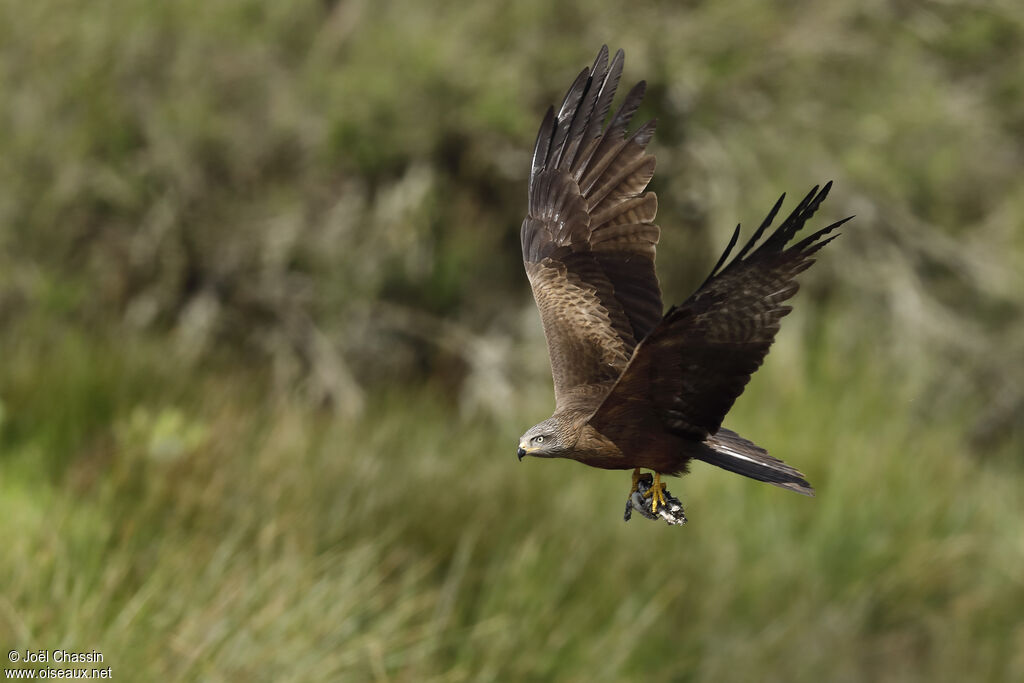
pixel 656 492
pixel 636 481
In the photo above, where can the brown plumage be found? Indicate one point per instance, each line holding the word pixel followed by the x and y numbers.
pixel 635 387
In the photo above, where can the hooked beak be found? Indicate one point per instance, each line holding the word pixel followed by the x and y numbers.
pixel 521 452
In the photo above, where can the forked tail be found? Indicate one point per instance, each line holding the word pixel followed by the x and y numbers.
pixel 730 451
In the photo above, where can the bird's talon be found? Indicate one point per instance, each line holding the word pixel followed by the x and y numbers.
pixel 658 497
pixel 656 493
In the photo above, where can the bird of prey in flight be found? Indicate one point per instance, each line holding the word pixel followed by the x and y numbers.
pixel 637 387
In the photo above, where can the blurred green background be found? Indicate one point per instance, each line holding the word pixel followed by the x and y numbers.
pixel 266 345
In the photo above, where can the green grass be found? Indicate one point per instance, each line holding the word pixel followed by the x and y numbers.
pixel 222 536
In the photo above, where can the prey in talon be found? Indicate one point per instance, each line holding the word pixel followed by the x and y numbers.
pixel 670 510
pixel 638 387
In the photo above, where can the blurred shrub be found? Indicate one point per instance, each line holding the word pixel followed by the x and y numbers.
pixel 337 187
pixel 164 436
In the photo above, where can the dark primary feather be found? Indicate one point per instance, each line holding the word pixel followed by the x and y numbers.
pixel 698 360
pixel 589 237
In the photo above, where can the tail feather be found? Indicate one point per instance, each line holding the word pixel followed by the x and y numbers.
pixel 730 451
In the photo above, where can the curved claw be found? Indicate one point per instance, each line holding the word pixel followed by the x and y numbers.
pixel 656 492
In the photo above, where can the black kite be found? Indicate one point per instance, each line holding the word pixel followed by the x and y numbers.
pixel 636 388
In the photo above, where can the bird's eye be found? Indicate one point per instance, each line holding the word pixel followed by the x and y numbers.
pixel 538 439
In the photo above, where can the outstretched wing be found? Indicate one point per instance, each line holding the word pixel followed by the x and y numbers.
pixel 589 237
pixel 698 360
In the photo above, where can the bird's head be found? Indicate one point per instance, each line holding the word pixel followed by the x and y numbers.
pixel 543 440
